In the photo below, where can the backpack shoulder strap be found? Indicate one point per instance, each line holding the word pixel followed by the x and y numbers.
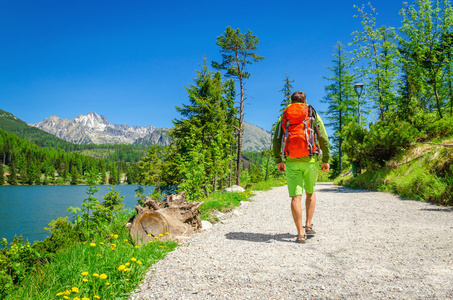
pixel 312 113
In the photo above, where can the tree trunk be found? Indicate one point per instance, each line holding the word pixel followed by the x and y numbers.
pixel 161 219
pixel 241 119
pixel 436 92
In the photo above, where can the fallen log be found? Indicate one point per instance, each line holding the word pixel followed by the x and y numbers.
pixel 174 216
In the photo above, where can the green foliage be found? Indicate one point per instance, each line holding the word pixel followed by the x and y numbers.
pixel 383 141
pixel 32 163
pixel 377 50
pixel 343 107
pixel 238 50
pixel 222 202
pixel 2 174
pixel 426 171
pixel 16 262
pixel 287 91
pixel 140 194
pixel 112 204
pixel 203 138
pixel 426 44
pixel 107 265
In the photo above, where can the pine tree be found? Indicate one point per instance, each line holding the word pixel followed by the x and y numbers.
pixel 2 174
pixel 238 51
pixel 207 124
pixel 12 178
pixel 74 176
pixel 340 97
pixel 287 91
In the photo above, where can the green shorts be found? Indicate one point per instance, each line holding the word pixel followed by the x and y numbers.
pixel 300 175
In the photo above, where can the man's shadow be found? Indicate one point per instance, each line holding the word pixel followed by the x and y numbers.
pixel 261 237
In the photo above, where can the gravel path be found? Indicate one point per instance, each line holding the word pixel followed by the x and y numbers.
pixel 369 245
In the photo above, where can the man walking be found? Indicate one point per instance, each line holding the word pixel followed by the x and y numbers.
pixel 296 150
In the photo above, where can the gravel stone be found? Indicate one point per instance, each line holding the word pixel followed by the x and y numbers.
pixel 369 245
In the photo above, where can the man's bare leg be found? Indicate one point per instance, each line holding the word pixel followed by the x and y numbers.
pixel 296 210
pixel 310 203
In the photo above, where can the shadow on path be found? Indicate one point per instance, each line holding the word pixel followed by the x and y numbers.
pixel 261 237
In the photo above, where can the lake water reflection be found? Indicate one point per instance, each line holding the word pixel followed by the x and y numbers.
pixel 27 210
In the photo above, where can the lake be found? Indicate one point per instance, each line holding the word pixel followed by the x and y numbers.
pixel 27 210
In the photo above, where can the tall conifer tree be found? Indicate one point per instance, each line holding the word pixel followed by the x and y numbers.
pixel 238 51
pixel 340 97
pixel 287 91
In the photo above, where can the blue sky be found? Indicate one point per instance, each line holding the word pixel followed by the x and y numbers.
pixel 130 60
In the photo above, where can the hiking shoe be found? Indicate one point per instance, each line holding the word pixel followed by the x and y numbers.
pixel 309 230
pixel 301 238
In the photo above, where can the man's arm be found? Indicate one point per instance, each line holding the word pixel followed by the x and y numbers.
pixel 277 142
pixel 323 140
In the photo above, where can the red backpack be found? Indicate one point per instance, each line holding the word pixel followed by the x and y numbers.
pixel 299 124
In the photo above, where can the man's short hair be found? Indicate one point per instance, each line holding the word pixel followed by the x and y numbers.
pixel 298 97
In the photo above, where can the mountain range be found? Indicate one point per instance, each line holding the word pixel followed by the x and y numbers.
pixel 96 129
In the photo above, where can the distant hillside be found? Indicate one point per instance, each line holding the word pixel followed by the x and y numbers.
pixel 255 138
pixel 12 124
pixel 92 129
pixel 160 136
pixel 95 129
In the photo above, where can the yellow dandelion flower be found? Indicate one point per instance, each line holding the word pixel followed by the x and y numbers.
pixel 93 244
pixel 85 298
pixel 101 243
pixel 167 233
pixel 133 259
pixel 149 234
pixel 125 240
pixel 156 237
pixel 127 264
pixel 84 273
pixel 112 235
pixel 115 236
pixel 127 279
pixel 107 283
pixel 121 268
pixel 85 280
pixel 76 298
pixel 75 289
pixel 65 297
pixel 96 297
pixel 67 292
pixel 137 247
pixel 95 274
pixel 139 262
pixel 103 276
pixel 60 294
pixel 99 255
pixel 160 234
pixel 127 269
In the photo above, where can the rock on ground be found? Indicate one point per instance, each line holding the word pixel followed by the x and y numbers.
pixel 369 245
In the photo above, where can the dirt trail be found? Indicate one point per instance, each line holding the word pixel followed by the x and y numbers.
pixel 369 245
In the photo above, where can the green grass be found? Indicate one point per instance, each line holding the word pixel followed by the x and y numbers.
pixel 423 173
pixel 100 257
pixel 269 184
pixel 106 266
pixel 222 202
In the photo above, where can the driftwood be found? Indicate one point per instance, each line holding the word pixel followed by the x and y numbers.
pixel 174 216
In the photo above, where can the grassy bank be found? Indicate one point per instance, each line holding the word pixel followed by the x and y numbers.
pixel 94 261
pixel 424 172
